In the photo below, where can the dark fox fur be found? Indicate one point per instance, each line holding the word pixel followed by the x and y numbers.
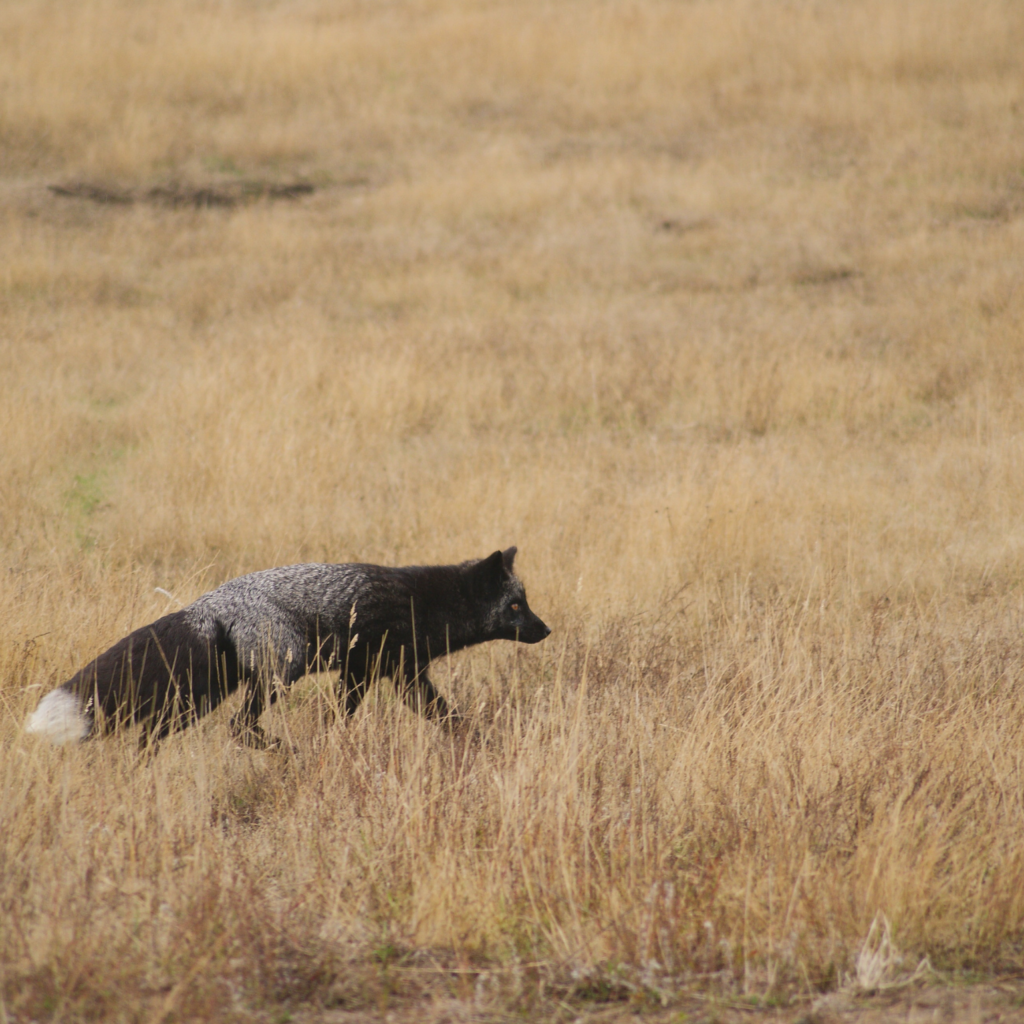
pixel 273 627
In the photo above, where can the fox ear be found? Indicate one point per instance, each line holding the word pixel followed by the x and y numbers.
pixel 508 556
pixel 489 572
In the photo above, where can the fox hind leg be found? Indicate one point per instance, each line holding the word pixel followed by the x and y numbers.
pixel 262 687
pixel 352 691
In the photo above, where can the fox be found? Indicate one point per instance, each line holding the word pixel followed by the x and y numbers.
pixel 263 631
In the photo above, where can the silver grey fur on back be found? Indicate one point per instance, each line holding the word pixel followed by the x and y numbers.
pixel 272 610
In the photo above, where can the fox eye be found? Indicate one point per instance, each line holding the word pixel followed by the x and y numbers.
pixel 515 606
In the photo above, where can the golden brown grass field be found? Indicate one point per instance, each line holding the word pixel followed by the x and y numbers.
pixel 715 308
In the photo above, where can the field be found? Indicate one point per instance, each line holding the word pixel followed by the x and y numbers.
pixel 716 310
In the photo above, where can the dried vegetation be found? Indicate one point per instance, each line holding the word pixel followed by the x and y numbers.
pixel 713 308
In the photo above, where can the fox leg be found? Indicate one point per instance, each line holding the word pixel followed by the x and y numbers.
pixel 421 695
pixel 159 728
pixel 352 692
pixel 245 723
pixel 262 688
pixel 354 682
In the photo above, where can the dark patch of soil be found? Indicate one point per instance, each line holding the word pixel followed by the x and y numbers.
pixel 226 194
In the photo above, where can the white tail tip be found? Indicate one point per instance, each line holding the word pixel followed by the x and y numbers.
pixel 60 718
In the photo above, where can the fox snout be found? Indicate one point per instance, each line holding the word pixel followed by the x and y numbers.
pixel 533 631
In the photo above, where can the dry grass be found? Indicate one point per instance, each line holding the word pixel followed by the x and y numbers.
pixel 713 308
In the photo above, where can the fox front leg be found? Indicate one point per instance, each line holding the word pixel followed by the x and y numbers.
pixel 421 695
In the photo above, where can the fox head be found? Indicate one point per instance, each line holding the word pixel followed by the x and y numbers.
pixel 500 593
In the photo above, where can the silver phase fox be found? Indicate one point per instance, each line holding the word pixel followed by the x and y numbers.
pixel 264 631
